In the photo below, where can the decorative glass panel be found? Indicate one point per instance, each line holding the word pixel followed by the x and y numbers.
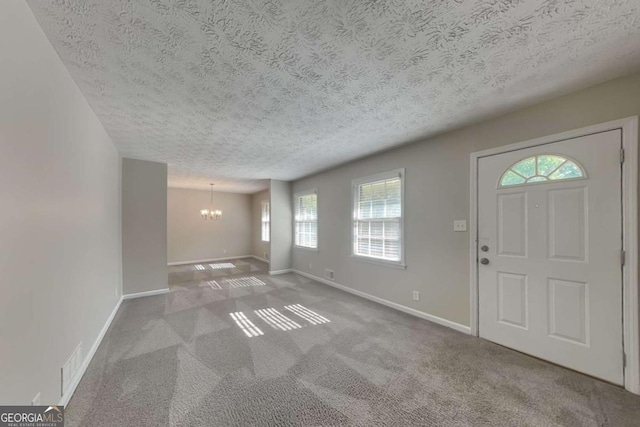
pixel 537 179
pixel 512 178
pixel 526 167
pixel 548 163
pixel 541 169
pixel 568 170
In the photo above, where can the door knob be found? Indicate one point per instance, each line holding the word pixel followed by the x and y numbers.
pixel 484 261
pixel 484 248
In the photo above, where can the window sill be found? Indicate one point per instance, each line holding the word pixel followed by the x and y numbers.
pixel 393 264
pixel 305 248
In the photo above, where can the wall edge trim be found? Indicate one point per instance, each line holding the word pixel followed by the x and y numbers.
pixel 412 311
pixel 146 293
pixel 169 264
pixel 277 272
pixel 64 400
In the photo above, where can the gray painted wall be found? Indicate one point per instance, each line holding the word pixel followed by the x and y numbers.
pixel 190 238
pixel 258 247
pixel 281 225
pixel 60 218
pixel 144 226
pixel 437 192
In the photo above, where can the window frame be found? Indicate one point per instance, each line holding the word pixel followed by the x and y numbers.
pixel 383 176
pixel 262 221
pixel 296 196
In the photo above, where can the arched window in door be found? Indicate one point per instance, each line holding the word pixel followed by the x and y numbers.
pixel 541 169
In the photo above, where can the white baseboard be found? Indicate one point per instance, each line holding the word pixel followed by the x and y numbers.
pixel 412 311
pixel 64 400
pixel 276 272
pixel 198 261
pixel 260 259
pixel 146 294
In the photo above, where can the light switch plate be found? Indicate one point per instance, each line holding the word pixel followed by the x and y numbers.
pixel 460 225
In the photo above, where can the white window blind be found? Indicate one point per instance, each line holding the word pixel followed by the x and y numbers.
pixel 378 221
pixel 266 223
pixel 306 220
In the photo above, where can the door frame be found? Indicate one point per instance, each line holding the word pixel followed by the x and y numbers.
pixel 630 305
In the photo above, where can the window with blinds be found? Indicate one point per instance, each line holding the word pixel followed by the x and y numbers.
pixel 306 220
pixel 378 217
pixel 266 223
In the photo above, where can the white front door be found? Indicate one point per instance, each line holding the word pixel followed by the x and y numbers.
pixel 549 247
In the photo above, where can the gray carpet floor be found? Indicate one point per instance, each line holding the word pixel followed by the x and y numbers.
pixel 235 347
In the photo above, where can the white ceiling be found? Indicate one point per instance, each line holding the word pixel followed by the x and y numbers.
pixel 239 91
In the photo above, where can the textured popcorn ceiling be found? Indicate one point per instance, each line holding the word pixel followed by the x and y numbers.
pixel 238 91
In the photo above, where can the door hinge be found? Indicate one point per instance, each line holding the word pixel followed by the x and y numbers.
pixel 622 155
pixel 623 257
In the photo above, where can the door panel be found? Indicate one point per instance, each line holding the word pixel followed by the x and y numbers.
pixel 553 283
pixel 567 224
pixel 512 296
pixel 568 316
pixel 512 224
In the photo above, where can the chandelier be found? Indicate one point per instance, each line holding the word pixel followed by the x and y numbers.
pixel 211 213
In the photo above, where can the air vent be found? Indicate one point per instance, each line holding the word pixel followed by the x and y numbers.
pixel 328 274
pixel 71 368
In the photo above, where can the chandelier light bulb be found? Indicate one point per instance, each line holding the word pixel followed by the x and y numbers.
pixel 211 213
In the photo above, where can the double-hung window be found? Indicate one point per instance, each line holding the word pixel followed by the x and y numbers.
pixel 378 218
pixel 266 223
pixel 306 220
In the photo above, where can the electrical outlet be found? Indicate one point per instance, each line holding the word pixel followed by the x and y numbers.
pixel 36 400
pixel 460 225
pixel 329 274
pixel 416 295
